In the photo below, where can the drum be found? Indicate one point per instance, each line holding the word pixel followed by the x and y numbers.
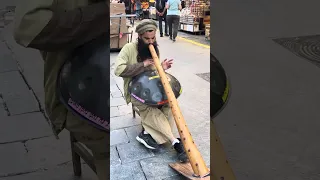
pixel 148 89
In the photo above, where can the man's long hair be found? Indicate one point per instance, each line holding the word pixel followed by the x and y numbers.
pixel 143 50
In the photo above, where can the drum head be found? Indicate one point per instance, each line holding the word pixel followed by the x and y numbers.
pixel 148 89
pixel 219 87
pixel 83 83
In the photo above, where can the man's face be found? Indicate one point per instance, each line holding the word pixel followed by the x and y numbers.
pixel 148 37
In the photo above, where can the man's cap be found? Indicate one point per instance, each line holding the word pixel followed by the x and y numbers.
pixel 146 25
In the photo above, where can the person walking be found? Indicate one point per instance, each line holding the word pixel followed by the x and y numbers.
pixel 138 9
pixel 162 16
pixel 173 16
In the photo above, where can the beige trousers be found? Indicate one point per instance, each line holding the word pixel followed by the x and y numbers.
pixel 96 140
pixel 157 122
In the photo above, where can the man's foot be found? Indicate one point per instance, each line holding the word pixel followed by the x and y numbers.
pixel 170 38
pixel 182 156
pixel 167 34
pixel 147 141
pixel 161 35
pixel 174 40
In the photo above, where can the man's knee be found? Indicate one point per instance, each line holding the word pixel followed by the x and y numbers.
pixel 96 140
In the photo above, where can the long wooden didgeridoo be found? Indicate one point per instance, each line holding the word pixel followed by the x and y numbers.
pixel 198 165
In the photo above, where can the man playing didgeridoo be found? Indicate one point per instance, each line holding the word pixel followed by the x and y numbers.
pixel 134 59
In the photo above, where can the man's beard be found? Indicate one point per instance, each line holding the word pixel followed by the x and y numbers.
pixel 144 52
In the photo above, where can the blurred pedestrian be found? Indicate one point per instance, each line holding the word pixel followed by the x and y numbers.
pixel 162 16
pixel 138 9
pixel 173 16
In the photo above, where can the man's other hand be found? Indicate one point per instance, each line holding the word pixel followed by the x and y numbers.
pixel 148 62
pixel 166 64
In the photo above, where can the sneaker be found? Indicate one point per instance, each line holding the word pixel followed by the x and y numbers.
pixel 182 156
pixel 147 141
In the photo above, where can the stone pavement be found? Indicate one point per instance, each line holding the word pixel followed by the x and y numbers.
pixel 270 127
pixel 28 149
pixel 198 38
pixel 129 159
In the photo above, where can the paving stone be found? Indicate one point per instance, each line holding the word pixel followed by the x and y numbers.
pixel 114 87
pixel 25 104
pixel 63 172
pixel 17 94
pixel 117 94
pixel 12 84
pixel 59 150
pixel 123 122
pixel 23 127
pixel 125 109
pixel 117 102
pixel 3 112
pixel 114 112
pixel 7 63
pixel 133 132
pixel 177 177
pixel 114 156
pixel 13 159
pixel 158 167
pixel 118 137
pixel 127 171
pixel 133 152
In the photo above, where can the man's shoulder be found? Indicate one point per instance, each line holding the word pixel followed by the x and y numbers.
pixel 130 45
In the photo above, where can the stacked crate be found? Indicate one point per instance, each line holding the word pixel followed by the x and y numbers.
pixel 116 36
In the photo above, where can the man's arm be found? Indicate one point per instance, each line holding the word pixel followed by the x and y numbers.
pixel 167 5
pixel 65 29
pixel 123 69
pixel 180 6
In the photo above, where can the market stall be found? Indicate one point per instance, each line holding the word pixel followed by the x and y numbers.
pixel 195 16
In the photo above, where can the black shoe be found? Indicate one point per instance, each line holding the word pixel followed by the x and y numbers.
pixel 147 141
pixel 182 156
pixel 166 34
pixel 161 35
pixel 170 38
pixel 174 40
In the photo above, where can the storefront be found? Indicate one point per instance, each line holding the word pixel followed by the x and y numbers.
pixel 195 17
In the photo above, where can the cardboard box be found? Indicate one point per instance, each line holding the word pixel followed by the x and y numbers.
pixel 117 8
pixel 114 40
pixel 116 23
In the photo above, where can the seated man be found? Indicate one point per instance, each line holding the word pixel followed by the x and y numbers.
pixel 134 59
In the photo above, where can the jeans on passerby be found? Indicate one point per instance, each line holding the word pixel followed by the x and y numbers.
pixel 161 19
pixel 173 21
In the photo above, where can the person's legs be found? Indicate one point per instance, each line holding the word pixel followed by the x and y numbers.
pixel 169 19
pixel 96 140
pixel 160 25
pixel 175 21
pixel 154 122
pixel 165 25
pixel 158 122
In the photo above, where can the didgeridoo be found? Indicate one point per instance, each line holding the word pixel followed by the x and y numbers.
pixel 198 165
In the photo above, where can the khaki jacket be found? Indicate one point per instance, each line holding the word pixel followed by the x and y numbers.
pixel 28 24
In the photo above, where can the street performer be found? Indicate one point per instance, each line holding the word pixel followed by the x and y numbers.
pixel 134 59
